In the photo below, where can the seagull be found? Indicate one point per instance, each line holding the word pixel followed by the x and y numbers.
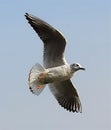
pixel 54 59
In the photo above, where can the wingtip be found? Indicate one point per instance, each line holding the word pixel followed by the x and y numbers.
pixel 29 16
pixel 71 105
pixel 26 15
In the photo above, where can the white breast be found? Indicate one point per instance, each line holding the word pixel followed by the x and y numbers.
pixel 58 73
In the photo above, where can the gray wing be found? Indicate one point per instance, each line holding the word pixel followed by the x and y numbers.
pixel 66 95
pixel 54 42
pixel 54 46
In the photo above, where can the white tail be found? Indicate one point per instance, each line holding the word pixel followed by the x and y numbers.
pixel 34 85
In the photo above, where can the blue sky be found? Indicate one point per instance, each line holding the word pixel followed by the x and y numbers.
pixel 86 26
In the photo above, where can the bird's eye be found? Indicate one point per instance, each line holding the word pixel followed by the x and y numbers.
pixel 77 65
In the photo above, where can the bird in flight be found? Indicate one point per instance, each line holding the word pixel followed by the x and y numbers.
pixel 56 69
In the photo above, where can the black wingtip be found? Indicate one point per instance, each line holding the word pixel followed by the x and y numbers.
pixel 26 15
pixel 71 105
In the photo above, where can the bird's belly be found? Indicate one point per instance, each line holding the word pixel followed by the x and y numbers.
pixel 55 75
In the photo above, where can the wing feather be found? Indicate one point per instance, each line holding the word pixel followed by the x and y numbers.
pixel 66 95
pixel 54 42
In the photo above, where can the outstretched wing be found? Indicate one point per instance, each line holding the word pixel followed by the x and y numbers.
pixel 54 42
pixel 66 95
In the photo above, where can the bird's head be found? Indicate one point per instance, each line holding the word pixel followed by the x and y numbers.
pixel 75 67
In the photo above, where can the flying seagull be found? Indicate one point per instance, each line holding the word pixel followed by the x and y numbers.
pixel 53 58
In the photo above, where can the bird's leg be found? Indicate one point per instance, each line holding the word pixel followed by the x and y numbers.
pixel 40 86
pixel 42 77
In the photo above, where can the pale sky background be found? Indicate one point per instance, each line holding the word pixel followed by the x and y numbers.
pixel 86 25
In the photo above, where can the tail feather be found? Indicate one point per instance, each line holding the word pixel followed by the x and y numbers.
pixel 34 85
